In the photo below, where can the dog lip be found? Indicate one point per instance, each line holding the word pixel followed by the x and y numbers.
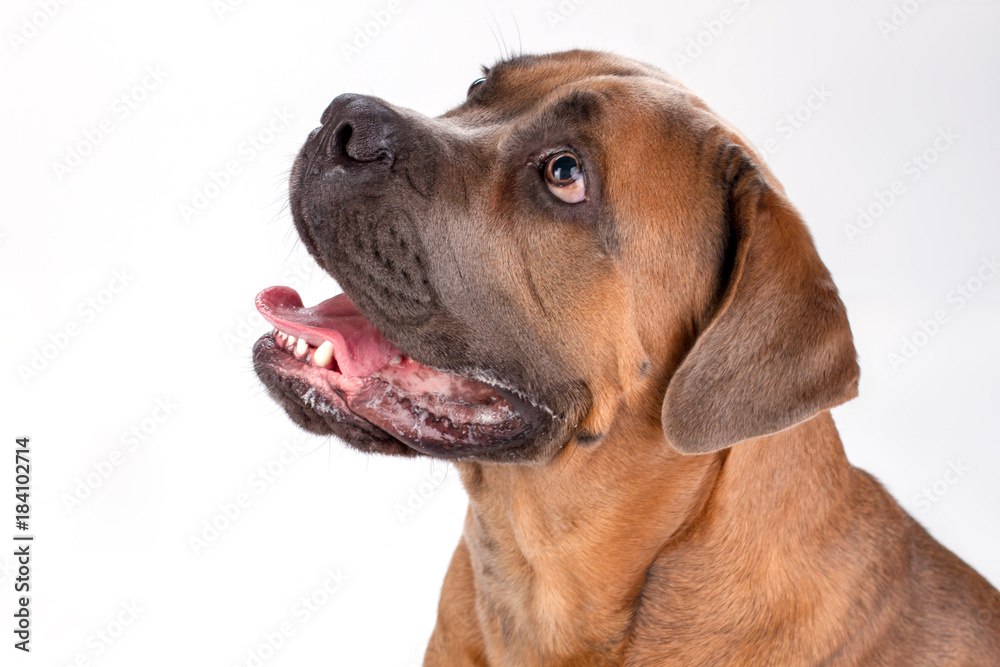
pixel 338 321
pixel 529 406
pixel 431 410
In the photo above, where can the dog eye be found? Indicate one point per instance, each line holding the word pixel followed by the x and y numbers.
pixel 472 86
pixel 564 176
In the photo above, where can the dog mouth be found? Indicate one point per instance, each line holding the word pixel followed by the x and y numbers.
pixel 339 366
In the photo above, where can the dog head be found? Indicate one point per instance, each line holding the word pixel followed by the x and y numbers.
pixel 580 239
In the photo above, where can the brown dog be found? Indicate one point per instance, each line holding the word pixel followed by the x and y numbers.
pixel 587 289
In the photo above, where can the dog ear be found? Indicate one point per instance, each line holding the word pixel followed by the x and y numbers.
pixel 778 349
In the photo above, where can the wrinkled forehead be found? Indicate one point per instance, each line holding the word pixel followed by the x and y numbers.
pixel 607 95
pixel 517 85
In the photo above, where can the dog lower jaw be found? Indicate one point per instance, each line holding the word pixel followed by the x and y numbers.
pixel 387 410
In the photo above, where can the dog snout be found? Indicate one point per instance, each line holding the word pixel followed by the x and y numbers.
pixel 360 129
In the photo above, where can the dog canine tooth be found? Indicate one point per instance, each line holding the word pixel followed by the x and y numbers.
pixel 323 354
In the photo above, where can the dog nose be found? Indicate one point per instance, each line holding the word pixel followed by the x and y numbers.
pixel 360 128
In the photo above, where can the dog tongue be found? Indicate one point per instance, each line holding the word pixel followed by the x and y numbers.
pixel 358 348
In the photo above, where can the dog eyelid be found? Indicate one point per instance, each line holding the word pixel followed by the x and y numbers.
pixel 475 84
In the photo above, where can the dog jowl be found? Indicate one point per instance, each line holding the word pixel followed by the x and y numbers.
pixel 588 291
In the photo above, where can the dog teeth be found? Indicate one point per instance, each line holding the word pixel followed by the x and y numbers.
pixel 321 357
pixel 397 360
pixel 323 354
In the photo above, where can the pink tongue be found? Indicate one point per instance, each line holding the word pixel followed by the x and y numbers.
pixel 358 348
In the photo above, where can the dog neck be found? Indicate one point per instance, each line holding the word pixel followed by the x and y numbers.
pixel 559 564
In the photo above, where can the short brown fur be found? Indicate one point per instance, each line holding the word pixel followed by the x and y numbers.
pixel 672 344
pixel 657 542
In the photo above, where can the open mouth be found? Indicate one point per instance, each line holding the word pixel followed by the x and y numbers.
pixel 339 366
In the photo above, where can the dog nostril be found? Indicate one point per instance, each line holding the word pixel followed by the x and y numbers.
pixel 336 143
pixel 357 129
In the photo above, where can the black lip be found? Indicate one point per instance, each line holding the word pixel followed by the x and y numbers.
pixel 355 430
pixel 288 392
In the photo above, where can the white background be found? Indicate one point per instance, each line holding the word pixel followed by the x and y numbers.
pixel 179 330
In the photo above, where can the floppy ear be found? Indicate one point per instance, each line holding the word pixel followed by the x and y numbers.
pixel 779 349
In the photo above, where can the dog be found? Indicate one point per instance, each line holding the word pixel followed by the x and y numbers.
pixel 587 290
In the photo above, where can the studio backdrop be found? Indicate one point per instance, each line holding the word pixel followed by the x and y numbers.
pixel 179 517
